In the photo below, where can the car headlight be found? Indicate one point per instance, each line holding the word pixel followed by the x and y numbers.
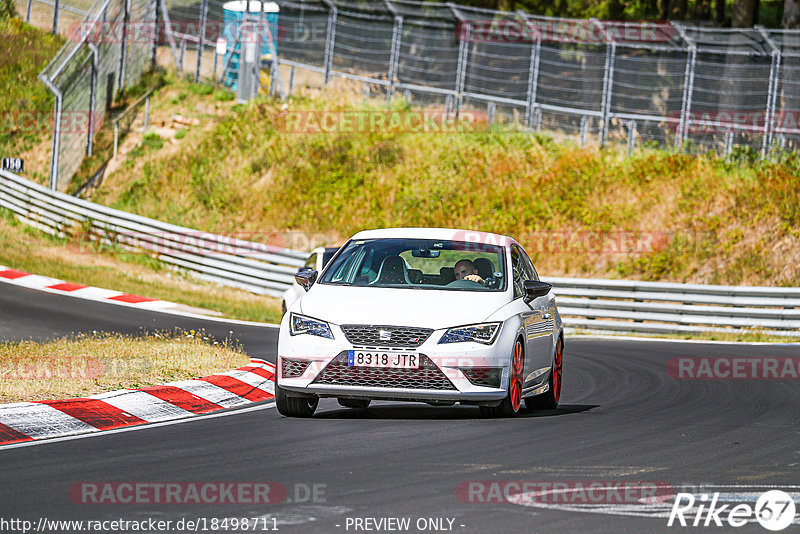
pixel 480 333
pixel 300 324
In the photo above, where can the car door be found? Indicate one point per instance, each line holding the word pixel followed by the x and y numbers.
pixel 536 320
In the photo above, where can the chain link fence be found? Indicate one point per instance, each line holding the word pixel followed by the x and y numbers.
pixel 640 83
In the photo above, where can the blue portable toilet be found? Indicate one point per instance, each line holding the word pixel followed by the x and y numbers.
pixel 254 11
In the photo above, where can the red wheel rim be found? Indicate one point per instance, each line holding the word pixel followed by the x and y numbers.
pixel 515 388
pixel 557 371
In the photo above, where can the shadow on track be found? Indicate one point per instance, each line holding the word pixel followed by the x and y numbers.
pixel 424 412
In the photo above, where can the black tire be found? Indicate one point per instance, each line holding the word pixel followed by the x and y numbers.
pixel 294 406
pixel 356 404
pixel 549 399
pixel 512 404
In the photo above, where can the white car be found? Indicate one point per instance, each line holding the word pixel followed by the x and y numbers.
pixel 317 259
pixel 422 314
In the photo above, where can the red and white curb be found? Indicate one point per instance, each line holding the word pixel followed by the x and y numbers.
pixel 31 421
pixel 53 285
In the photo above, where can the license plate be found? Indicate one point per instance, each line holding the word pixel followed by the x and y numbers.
pixel 360 358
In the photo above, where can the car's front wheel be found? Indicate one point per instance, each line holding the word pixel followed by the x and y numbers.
pixel 511 405
pixel 294 406
pixel 551 397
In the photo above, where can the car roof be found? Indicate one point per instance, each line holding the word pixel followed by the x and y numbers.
pixel 453 234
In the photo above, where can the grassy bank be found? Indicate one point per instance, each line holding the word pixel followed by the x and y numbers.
pixel 579 211
pixel 86 365
pixel 74 260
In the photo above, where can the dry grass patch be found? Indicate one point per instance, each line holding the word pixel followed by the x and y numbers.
pixel 84 365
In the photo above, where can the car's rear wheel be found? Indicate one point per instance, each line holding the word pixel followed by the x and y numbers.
pixel 357 404
pixel 295 406
pixel 512 404
pixel 553 395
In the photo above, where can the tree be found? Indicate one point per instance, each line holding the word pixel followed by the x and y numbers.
pixel 791 14
pixel 745 13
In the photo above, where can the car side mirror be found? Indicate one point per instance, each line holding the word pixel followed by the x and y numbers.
pixel 536 288
pixel 306 278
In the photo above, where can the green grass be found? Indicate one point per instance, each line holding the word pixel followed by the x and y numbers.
pixel 707 220
pixel 85 262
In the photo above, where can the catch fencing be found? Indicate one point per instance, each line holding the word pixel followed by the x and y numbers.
pixel 586 304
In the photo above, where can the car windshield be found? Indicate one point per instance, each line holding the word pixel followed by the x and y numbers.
pixel 419 264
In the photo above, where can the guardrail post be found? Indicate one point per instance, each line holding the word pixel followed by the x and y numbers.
pixel 56 8
pixel 201 38
pixel 330 41
pixel 394 58
pixel 608 84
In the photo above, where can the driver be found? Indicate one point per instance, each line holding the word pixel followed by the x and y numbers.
pixel 465 270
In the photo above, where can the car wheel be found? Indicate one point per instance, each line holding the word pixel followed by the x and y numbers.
pixel 294 406
pixel 551 397
pixel 511 405
pixel 358 404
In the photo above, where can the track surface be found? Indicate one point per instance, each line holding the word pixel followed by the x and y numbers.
pixel 622 418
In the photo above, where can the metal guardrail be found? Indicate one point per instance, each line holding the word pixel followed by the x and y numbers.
pixel 256 267
pixel 586 304
pixel 657 307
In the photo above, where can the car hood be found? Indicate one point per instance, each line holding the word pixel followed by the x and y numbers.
pixel 427 308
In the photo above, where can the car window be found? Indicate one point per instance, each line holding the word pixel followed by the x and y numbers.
pixel 527 266
pixel 417 264
pixel 311 262
pixel 517 272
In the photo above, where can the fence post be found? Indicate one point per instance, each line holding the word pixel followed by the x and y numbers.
pixel 56 8
pixel 491 109
pixel 201 38
pixel 533 72
pixel 330 41
pixel 631 136
pixel 168 32
pixel 772 91
pixel 397 36
pixel 92 99
pixel 461 68
pixel 181 57
pixel 123 50
pixel 688 86
pixel 608 84
pixel 28 12
pixel 56 130
pixel 291 80
pixel 583 136
pixel 156 33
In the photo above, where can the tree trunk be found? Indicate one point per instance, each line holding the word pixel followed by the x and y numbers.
pixel 720 12
pixel 702 10
pixel 791 14
pixel 745 13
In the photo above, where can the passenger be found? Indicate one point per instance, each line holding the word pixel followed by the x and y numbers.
pixel 465 270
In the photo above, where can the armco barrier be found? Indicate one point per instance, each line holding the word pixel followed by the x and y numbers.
pixel 256 267
pixel 586 304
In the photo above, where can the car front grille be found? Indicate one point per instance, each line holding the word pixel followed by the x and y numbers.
pixel 293 368
pixel 483 376
pixel 385 336
pixel 427 376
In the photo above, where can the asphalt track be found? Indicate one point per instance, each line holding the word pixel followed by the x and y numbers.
pixel 621 418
